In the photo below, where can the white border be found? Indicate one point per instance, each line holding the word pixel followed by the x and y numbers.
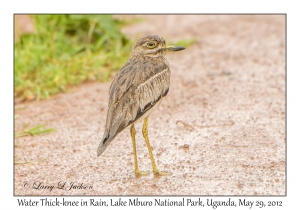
pixel 153 6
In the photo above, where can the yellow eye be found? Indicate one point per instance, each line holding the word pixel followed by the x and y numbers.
pixel 151 45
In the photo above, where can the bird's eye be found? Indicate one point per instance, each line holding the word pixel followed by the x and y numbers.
pixel 151 44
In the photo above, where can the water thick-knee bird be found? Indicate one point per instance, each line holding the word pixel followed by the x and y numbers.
pixel 136 90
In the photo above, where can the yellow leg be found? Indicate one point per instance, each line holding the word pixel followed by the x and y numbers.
pixel 145 134
pixel 136 167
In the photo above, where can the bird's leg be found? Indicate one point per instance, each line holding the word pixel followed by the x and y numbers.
pixel 145 134
pixel 136 167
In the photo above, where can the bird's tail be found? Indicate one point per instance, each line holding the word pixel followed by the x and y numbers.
pixel 104 143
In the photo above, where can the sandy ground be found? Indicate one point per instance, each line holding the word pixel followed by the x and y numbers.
pixel 220 130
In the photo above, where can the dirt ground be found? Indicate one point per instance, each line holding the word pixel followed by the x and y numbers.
pixel 220 130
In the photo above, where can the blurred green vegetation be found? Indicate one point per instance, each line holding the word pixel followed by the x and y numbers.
pixel 185 43
pixel 67 50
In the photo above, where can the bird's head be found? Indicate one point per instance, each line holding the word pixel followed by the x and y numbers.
pixel 152 46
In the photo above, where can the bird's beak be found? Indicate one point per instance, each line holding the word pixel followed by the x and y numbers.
pixel 173 48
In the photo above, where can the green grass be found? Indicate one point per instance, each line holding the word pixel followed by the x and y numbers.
pixel 26 132
pixel 26 162
pixel 67 50
pixel 33 131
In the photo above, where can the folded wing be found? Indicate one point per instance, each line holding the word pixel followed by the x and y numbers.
pixel 134 91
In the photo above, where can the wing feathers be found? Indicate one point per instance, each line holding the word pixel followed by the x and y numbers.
pixel 134 90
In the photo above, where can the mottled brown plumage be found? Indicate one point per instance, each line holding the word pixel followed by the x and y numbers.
pixel 136 89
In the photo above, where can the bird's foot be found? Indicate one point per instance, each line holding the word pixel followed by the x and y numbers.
pixel 141 173
pixel 161 173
